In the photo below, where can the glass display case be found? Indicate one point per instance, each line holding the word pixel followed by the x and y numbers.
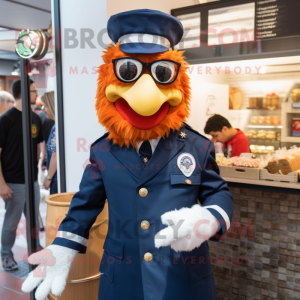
pixel 245 56
pixel 239 29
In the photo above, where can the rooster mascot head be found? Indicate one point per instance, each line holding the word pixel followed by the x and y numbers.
pixel 143 88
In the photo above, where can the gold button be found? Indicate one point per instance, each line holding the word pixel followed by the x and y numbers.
pixel 187 181
pixel 148 257
pixel 143 192
pixel 145 225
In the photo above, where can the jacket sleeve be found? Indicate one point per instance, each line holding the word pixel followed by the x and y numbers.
pixel 214 194
pixel 85 207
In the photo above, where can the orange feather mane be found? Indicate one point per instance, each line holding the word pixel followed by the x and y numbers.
pixel 120 130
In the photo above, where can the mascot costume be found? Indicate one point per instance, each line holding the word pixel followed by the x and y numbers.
pixel 159 176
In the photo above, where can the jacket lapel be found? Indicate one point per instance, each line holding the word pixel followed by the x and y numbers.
pixel 164 152
pixel 128 157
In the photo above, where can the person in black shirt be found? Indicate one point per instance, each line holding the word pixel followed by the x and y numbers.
pixel 12 177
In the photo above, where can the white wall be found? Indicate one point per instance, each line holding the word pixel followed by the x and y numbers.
pixel 207 82
pixel 79 89
pixel 209 92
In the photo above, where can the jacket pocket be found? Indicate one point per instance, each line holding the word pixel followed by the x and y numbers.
pixel 107 269
pixel 113 248
pixel 199 268
pixel 113 252
pixel 180 179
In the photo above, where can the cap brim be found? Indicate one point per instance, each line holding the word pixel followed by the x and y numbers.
pixel 145 48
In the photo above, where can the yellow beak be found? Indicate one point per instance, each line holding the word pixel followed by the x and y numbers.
pixel 144 96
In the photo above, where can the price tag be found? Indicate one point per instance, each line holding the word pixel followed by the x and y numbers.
pixel 296 105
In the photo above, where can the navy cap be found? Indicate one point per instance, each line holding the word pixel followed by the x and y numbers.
pixel 144 31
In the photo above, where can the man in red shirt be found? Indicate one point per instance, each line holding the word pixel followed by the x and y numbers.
pixel 234 140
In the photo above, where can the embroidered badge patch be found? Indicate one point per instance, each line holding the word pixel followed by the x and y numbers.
pixel 33 131
pixel 186 163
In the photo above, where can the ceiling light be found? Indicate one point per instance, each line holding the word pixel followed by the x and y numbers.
pixel 15 73
pixel 16 69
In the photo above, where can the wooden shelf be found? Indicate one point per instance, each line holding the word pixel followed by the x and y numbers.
pixel 263 142
pixel 263 108
pixel 265 126
pixel 288 185
pixel 291 139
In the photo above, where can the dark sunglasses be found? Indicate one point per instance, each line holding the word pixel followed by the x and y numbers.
pixel 129 69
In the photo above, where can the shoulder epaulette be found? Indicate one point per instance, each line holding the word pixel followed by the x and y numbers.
pixel 193 130
pixel 105 135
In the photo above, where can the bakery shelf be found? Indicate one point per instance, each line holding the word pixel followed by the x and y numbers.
pixel 288 185
pixel 265 126
pixel 287 107
pixel 258 155
pixel 262 153
pixel 263 108
pixel 291 139
pixel 258 141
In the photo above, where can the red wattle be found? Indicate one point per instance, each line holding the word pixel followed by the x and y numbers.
pixel 138 120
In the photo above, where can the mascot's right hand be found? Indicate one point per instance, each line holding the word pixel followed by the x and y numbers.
pixel 54 266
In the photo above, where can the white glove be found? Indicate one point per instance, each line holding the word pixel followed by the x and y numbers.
pixel 54 266
pixel 187 228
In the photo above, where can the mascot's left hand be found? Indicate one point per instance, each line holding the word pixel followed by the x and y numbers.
pixel 187 228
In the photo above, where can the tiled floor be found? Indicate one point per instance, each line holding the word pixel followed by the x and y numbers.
pixel 10 282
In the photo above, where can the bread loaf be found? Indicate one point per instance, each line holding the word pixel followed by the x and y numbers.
pixel 286 165
pixel 235 98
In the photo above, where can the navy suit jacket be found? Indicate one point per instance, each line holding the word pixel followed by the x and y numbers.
pixel 117 174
